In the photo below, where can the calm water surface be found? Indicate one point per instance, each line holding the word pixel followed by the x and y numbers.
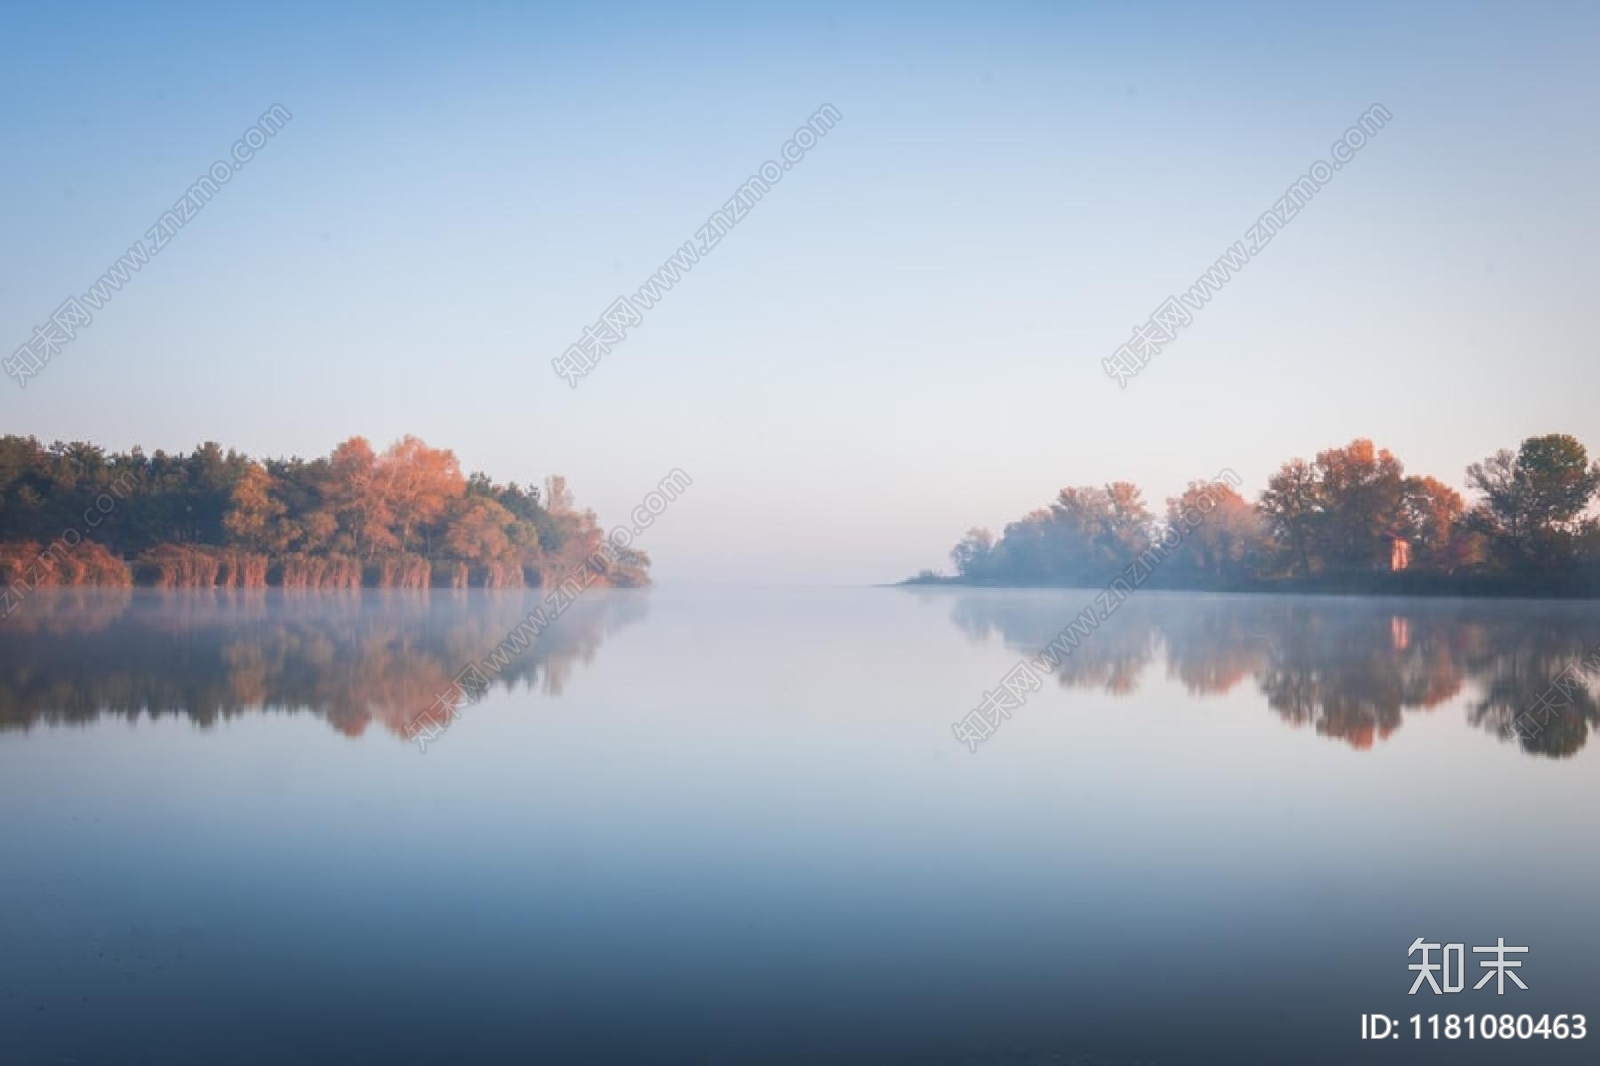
pixel 718 826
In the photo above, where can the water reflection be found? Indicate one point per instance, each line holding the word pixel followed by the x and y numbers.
pixel 1350 669
pixel 353 658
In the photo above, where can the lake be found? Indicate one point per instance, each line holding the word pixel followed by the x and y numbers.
pixel 731 825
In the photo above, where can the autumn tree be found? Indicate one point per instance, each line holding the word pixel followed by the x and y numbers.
pixel 1432 520
pixel 478 533
pixel 318 522
pixel 415 484
pixel 557 498
pixel 1100 530
pixel 971 553
pixel 355 495
pixel 1360 495
pixel 1129 523
pixel 1225 543
pixel 1085 536
pixel 1292 509
pixel 1340 511
pixel 255 515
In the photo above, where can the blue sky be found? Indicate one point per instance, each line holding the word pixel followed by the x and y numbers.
pixel 903 339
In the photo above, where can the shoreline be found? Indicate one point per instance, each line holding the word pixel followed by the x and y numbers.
pixel 1422 586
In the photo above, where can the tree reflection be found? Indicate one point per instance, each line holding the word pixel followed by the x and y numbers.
pixel 1211 647
pixel 1350 674
pixel 354 658
pixel 1112 659
pixel 1537 686
pixel 1350 669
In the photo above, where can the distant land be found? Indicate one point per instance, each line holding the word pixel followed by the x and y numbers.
pixel 72 514
pixel 1350 521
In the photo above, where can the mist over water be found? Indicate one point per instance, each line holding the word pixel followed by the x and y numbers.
pixel 739 820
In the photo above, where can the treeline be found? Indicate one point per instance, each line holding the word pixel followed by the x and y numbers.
pixel 1351 519
pixel 73 514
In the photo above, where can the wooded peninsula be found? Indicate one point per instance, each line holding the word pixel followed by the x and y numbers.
pixel 1352 520
pixel 72 514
